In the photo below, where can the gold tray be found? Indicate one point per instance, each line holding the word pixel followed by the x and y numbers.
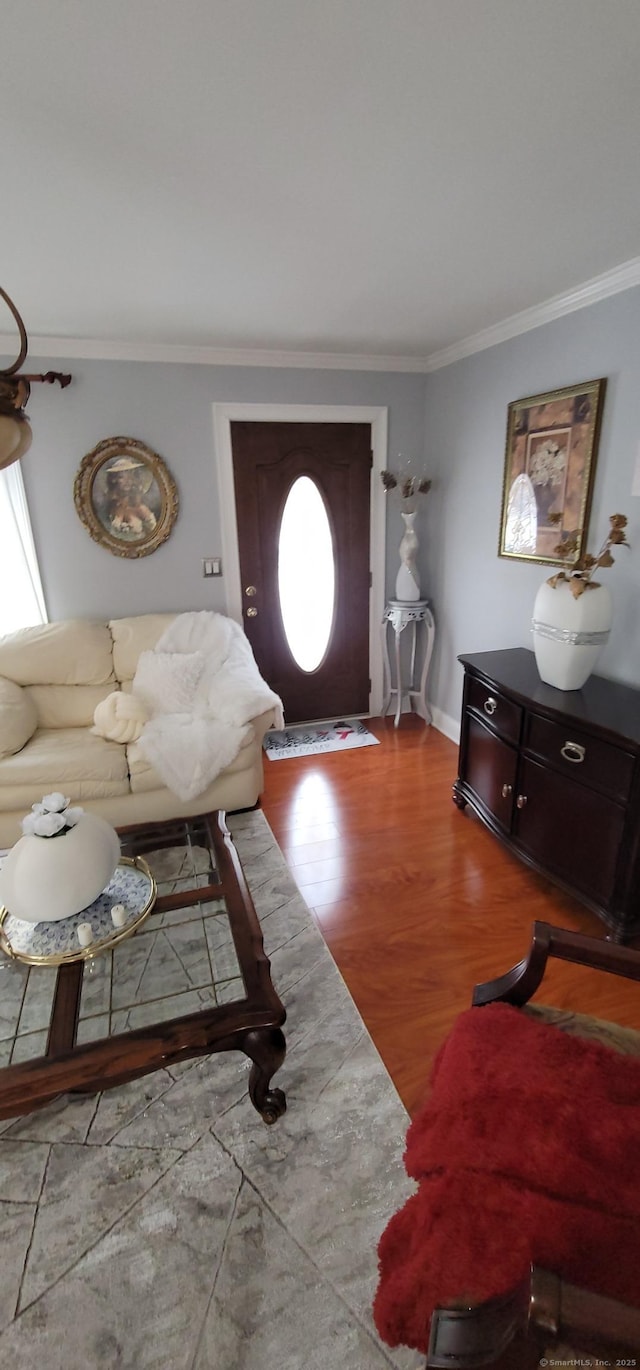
pixel 56 943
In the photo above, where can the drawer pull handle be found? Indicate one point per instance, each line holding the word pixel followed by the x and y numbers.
pixel 521 801
pixel 506 791
pixel 490 705
pixel 573 751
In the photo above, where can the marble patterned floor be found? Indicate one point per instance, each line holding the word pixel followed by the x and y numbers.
pixel 163 1226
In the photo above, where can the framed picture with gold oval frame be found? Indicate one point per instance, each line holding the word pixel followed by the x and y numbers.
pixel 126 497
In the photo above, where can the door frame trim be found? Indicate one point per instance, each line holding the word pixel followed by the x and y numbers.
pixel 377 418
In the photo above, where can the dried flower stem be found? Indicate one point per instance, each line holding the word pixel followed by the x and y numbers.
pixel 581 575
pixel 408 486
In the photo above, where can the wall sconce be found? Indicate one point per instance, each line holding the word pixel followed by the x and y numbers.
pixel 15 429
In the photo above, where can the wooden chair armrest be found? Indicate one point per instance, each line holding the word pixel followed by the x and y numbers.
pixel 521 982
pixel 513 1331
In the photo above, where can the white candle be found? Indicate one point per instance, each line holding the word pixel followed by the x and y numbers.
pixel 119 915
pixel 85 934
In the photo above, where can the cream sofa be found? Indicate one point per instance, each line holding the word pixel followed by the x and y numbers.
pixel 51 679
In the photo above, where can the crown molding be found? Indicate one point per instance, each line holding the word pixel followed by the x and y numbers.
pixel 620 278
pixel 613 282
pixel 74 349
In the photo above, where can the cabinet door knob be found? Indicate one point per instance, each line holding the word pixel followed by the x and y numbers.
pixel 506 791
pixel 490 705
pixel 573 751
pixel 521 801
pixel 252 613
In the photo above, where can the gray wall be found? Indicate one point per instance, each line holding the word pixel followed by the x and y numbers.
pixel 169 408
pixel 457 416
pixel 482 601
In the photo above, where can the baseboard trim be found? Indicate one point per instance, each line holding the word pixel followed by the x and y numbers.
pixel 450 727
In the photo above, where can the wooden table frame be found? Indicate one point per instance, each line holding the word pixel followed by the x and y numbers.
pixel 252 1025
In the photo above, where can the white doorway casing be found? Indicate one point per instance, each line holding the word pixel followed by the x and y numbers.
pixel 377 418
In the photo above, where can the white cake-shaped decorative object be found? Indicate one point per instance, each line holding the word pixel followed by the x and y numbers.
pixel 44 878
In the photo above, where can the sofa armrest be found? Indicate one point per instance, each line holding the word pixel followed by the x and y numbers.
pixel 18 717
pixel 263 722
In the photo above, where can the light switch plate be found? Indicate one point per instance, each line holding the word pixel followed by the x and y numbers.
pixel 212 566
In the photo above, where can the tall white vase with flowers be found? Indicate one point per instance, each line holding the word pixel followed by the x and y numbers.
pixel 409 487
pixel 572 613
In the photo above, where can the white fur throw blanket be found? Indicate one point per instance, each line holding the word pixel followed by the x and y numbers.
pixel 217 697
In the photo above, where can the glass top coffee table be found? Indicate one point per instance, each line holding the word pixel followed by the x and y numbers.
pixel 192 980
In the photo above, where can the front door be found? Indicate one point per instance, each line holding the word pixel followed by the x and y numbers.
pixel 302 504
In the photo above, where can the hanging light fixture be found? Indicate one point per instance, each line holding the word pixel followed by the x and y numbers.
pixel 15 429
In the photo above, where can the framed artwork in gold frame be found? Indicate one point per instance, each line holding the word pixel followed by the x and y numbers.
pixel 126 497
pixel 551 450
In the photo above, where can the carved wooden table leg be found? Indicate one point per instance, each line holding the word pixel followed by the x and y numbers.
pixel 267 1048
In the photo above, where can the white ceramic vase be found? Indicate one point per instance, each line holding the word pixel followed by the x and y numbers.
pixel 569 633
pixel 46 878
pixel 407 580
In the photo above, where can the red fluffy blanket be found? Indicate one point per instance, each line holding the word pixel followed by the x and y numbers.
pixel 527 1150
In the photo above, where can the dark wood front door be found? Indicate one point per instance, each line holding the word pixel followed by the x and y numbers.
pixel 268 460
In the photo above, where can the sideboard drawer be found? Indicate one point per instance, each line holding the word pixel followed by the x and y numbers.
pixel 585 758
pixel 499 713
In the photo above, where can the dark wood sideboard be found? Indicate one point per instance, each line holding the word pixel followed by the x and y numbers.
pixel 556 776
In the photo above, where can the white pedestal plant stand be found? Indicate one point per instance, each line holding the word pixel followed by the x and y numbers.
pixel 399 615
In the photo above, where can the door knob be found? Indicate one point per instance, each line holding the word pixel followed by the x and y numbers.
pixel 506 791
pixel 252 613
pixel 250 590
pixel 521 801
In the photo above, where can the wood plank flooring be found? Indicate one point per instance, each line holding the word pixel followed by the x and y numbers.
pixel 416 900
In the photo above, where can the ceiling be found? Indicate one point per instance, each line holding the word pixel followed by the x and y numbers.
pixel 383 177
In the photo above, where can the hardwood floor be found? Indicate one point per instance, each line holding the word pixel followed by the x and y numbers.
pixel 416 900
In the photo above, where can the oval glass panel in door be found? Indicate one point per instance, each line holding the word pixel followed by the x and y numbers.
pixel 306 574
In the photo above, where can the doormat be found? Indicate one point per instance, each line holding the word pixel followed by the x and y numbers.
pixel 310 738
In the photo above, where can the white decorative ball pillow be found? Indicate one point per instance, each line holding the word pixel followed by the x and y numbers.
pixel 18 717
pixel 167 681
pixel 120 717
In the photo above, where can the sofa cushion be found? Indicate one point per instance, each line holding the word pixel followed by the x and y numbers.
pixel 167 681
pixel 18 717
pixel 120 717
pixel 67 706
pixel 143 777
pixel 74 652
pixel 131 636
pixel 68 759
